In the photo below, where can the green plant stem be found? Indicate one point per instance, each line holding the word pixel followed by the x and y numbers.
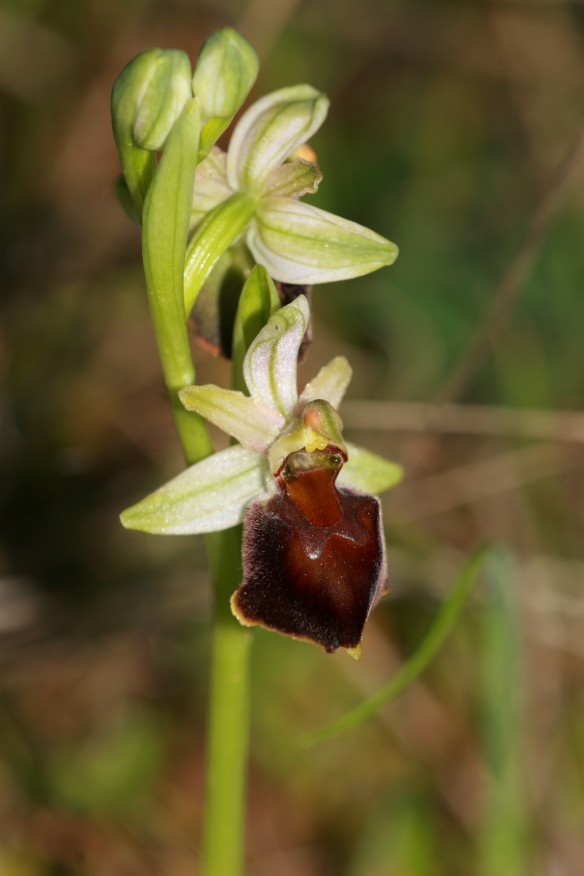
pixel 228 712
pixel 228 720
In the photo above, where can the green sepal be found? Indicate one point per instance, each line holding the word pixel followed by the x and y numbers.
pixel 299 243
pixel 226 70
pixel 209 496
pixel 367 472
pixel 259 300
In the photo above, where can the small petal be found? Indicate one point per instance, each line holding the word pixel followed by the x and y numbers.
pixel 270 130
pixel 294 179
pixel 211 187
pixel 298 243
pixel 368 472
pixel 245 419
pixel 210 495
pixel 269 367
pixel 330 383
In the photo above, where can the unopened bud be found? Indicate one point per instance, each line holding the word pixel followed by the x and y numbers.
pixel 226 70
pixel 147 98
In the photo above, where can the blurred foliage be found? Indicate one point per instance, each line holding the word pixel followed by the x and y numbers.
pixel 447 124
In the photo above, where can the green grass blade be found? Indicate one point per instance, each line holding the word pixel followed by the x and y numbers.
pixel 421 658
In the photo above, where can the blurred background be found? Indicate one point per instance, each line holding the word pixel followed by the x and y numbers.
pixel 456 129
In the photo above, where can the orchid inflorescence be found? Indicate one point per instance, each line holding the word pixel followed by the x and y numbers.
pixel 313 546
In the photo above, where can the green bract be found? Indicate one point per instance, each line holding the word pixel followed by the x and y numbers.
pixel 269 424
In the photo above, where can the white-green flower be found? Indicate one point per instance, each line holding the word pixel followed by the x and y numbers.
pixel 313 548
pixel 255 188
pixel 269 424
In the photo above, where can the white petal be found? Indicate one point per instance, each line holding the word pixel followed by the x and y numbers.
pixel 300 244
pixel 330 383
pixel 270 130
pixel 210 495
pixel 269 366
pixel 368 472
pixel 211 186
pixel 245 419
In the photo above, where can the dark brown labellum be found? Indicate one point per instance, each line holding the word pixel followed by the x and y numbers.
pixel 313 555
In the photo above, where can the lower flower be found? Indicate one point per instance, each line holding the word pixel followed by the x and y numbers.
pixel 313 548
pixel 313 556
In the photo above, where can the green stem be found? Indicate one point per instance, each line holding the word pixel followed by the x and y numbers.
pixel 228 720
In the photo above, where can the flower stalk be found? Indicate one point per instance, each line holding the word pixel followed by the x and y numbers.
pixel 228 718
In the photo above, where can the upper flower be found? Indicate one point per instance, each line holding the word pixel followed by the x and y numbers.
pixel 295 242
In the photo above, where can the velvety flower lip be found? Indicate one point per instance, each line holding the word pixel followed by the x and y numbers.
pixel 314 556
pixel 295 242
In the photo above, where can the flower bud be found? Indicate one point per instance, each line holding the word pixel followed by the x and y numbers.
pixel 165 89
pixel 225 72
pixel 147 98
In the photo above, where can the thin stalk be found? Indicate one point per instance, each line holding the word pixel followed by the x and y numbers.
pixel 228 717
pixel 228 712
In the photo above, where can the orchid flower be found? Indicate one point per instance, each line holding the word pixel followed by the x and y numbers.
pixel 313 548
pixel 254 189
